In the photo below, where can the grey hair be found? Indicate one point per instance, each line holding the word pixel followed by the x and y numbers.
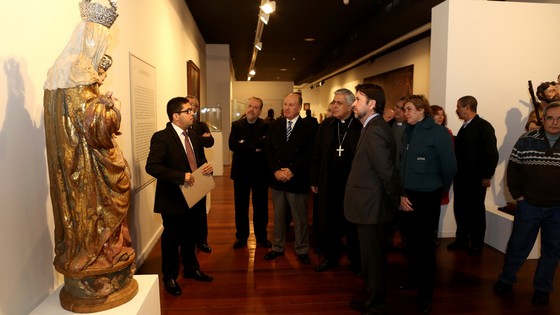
pixel 348 94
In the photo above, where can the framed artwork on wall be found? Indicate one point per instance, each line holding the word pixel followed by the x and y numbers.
pixel 396 83
pixel 193 79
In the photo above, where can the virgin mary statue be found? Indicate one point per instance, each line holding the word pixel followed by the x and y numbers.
pixel 89 177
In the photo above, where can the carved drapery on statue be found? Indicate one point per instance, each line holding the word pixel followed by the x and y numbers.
pixel 89 177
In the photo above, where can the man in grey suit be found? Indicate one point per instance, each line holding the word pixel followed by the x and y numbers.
pixel 372 193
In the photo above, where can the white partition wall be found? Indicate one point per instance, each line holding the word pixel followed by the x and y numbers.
pixel 490 49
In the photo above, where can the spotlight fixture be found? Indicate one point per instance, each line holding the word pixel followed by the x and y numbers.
pixel 264 18
pixel 268 6
pixel 258 45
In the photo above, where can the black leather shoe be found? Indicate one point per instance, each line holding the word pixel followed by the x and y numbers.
pixel 172 287
pixel 457 245
pixel 204 247
pixel 273 255
pixel 357 305
pixel 374 310
pixel 539 298
pixel 407 285
pixel 198 276
pixel 474 251
pixel 239 244
pixel 265 243
pixel 357 270
pixel 425 306
pixel 501 287
pixel 325 265
pixel 304 259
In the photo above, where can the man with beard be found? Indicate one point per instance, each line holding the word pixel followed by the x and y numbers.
pixel 372 193
pixel 249 174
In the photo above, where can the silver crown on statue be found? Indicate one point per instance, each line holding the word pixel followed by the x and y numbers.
pixel 95 12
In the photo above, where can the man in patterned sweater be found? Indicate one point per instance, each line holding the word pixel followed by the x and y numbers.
pixel 533 172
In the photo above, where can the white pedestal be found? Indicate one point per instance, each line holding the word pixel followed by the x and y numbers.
pixel 146 301
pixel 215 155
pixel 498 230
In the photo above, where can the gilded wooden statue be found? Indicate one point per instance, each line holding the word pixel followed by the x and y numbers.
pixel 89 177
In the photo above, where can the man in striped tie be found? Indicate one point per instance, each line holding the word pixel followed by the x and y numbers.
pixel 289 145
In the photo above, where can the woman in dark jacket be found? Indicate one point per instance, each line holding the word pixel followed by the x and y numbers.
pixel 427 168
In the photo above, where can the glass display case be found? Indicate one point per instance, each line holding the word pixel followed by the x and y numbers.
pixel 213 117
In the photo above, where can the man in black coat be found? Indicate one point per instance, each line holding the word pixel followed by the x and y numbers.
pixel 250 173
pixel 174 154
pixel 289 145
pixel 334 149
pixel 477 157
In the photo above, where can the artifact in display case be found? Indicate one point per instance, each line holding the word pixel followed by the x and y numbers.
pixel 213 117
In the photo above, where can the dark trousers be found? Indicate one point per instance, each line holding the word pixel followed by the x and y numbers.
pixel 526 224
pixel 335 227
pixel 469 210
pixel 202 222
pixel 374 244
pixel 178 241
pixel 242 190
pixel 417 226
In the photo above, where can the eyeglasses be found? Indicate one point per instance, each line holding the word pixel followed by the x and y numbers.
pixel 188 111
pixel 399 108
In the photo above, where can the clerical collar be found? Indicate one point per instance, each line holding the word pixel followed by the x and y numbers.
pixel 344 120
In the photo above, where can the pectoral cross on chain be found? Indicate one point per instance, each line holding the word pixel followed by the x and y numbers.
pixel 340 149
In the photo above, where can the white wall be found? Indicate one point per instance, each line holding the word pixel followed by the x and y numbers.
pixel 33 33
pixel 271 92
pixel 490 49
pixel 417 54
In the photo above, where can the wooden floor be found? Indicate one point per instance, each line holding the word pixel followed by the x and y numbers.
pixel 244 283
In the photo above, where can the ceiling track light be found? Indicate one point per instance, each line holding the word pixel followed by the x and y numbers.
pixel 264 17
pixel 268 6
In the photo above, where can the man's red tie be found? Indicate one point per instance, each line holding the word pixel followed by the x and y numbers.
pixel 190 152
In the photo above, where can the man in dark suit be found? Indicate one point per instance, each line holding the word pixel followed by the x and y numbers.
pixel 289 144
pixel 310 118
pixel 250 173
pixel 175 153
pixel 205 138
pixel 335 144
pixel 372 193
pixel 477 156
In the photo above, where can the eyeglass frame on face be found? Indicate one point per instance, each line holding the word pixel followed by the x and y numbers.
pixel 188 111
pixel 401 108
